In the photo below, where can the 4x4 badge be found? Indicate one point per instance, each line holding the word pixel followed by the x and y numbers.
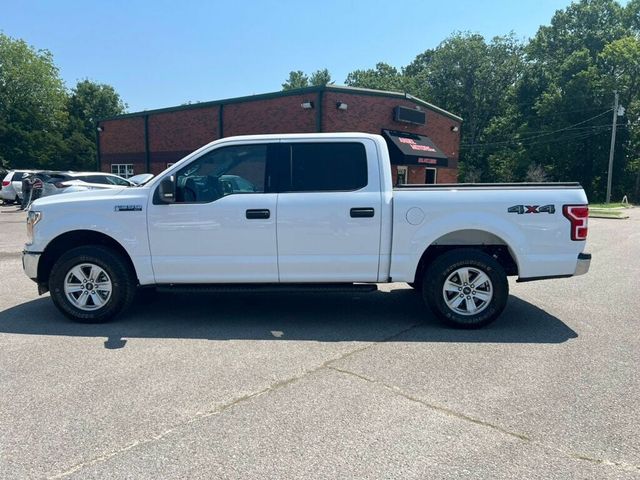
pixel 520 209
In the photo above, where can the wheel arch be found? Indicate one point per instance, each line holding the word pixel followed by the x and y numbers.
pixel 77 238
pixel 483 240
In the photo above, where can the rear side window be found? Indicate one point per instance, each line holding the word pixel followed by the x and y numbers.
pixel 326 167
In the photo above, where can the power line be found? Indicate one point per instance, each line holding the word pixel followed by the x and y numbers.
pixel 520 139
pixel 577 136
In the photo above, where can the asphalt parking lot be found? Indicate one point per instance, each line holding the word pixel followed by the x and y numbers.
pixel 327 386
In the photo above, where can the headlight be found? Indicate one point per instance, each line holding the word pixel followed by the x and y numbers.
pixel 32 218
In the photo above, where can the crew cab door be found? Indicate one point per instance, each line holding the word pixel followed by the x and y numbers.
pixel 329 211
pixel 221 228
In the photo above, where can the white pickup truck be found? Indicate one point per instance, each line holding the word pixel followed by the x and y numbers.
pixel 303 212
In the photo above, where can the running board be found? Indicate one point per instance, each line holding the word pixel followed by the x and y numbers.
pixel 270 288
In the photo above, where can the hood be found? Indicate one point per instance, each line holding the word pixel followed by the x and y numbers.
pixel 78 197
pixel 89 185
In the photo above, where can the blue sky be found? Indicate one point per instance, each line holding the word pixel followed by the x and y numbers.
pixel 161 53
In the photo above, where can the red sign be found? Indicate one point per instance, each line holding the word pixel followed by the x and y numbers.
pixel 430 161
pixel 424 148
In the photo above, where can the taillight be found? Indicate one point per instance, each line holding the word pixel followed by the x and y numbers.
pixel 5 183
pixel 578 215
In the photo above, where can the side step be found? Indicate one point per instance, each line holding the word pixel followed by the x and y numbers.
pixel 270 288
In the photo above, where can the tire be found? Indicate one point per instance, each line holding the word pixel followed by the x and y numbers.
pixel 72 280
pixel 466 304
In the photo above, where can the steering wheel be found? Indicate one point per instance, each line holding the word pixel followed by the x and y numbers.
pixel 190 190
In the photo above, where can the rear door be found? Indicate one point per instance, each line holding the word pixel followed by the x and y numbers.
pixel 16 181
pixel 328 224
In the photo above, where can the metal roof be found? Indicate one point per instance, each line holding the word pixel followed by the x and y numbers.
pixel 287 93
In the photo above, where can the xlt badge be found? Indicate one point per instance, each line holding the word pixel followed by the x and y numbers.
pixel 128 208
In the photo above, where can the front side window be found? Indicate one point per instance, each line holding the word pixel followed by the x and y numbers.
pixel 221 172
pixel 323 167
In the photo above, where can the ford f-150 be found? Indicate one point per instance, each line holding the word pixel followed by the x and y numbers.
pixel 303 211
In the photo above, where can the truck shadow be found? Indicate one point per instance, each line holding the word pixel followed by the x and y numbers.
pixel 398 315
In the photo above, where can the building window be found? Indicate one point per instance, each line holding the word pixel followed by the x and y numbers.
pixel 430 176
pixel 401 178
pixel 124 170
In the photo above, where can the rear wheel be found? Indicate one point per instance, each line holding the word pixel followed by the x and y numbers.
pixel 91 284
pixel 466 288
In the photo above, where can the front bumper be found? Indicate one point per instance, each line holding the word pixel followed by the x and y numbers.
pixel 30 262
pixel 584 261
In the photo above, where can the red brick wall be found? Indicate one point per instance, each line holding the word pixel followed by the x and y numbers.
pixel 448 175
pixel 277 115
pixel 417 174
pixel 172 135
pixel 175 134
pixel 122 141
pixel 183 130
pixel 371 114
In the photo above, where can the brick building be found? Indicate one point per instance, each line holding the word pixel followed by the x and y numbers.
pixel 423 139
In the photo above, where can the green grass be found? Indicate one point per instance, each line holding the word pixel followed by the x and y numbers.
pixel 609 205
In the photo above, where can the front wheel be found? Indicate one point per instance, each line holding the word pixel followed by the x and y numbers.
pixel 466 288
pixel 91 284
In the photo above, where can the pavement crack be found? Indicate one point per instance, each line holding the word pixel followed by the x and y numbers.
pixel 222 408
pixel 462 416
pixel 433 406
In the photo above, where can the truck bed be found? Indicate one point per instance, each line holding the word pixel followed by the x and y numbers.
pixel 490 186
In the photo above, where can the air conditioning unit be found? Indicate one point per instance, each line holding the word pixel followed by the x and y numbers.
pixel 409 115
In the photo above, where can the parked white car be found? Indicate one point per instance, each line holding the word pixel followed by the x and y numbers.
pixel 303 211
pixel 141 178
pixel 53 183
pixel 12 185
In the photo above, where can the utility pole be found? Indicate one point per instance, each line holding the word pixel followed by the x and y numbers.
pixel 613 144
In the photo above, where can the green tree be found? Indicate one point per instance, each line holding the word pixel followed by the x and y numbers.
pixel 566 92
pixel 297 79
pixel 32 105
pixel 475 79
pixel 320 77
pixel 383 77
pixel 87 103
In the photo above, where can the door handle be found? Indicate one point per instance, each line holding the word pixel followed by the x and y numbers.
pixel 258 213
pixel 362 212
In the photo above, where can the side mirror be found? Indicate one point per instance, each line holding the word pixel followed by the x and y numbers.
pixel 167 190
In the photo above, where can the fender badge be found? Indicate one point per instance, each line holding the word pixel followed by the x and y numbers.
pixel 523 209
pixel 127 208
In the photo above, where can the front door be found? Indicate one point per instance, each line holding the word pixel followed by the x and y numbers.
pixel 329 212
pixel 222 226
